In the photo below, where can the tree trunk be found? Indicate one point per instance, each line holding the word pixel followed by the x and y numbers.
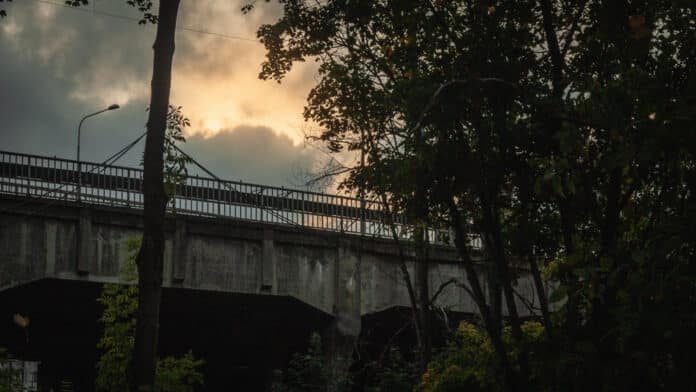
pixel 495 296
pixel 151 254
pixel 422 288
pixel 404 272
pixel 495 245
pixel 510 376
pixel 526 201
pixel 420 210
pixel 565 203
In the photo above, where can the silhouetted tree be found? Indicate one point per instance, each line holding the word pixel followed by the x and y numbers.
pixel 151 254
pixel 559 130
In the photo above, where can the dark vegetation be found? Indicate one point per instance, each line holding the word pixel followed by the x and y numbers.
pixel 561 131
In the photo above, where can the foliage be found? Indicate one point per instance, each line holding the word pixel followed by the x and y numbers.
pixel 175 161
pixel 310 371
pixel 10 378
pixel 3 13
pixel 469 362
pixel 394 375
pixel 175 170
pixel 560 131
pixel 178 374
pixel 144 6
pixel 120 303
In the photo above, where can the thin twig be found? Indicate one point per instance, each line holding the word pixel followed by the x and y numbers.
pixel 530 306
pixel 571 32
pixel 441 288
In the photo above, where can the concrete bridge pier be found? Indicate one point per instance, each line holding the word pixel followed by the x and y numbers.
pixel 85 241
pixel 344 331
pixel 339 339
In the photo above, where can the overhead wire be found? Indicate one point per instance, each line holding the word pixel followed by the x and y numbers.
pixel 227 185
pixel 130 18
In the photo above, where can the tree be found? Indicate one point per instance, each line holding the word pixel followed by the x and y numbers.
pixel 151 254
pixel 375 83
pixel 557 130
pixel 361 101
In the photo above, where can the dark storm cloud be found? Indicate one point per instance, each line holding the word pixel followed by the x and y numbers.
pixel 58 64
pixel 61 66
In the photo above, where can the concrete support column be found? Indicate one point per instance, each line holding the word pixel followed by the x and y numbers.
pixel 179 251
pixel 51 229
pixel 267 271
pixel 85 247
pixel 346 326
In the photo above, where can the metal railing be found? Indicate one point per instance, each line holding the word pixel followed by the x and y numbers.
pixel 100 184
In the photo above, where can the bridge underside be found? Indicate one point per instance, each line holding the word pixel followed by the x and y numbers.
pixel 242 337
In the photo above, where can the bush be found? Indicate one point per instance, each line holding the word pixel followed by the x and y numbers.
pixel 118 340
pixel 469 363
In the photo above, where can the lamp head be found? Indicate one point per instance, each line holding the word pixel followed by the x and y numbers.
pixel 113 107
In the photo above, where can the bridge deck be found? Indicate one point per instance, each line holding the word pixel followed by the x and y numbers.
pixel 95 183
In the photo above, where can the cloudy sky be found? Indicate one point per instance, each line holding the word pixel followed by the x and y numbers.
pixel 58 64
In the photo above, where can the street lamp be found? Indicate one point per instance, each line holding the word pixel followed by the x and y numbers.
pixel 79 164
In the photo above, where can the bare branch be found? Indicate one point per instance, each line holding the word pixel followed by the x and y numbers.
pixel 554 51
pixel 327 174
pixel 528 304
pixel 573 28
pixel 441 288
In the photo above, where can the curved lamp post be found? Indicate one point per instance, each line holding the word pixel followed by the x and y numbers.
pixel 79 164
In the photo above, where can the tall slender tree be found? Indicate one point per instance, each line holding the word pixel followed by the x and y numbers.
pixel 150 257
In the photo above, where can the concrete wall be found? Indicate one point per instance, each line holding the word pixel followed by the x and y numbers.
pixel 341 275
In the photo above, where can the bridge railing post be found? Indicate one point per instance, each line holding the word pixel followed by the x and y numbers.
pixel 128 187
pixel 302 210
pixel 340 212
pixel 218 197
pixel 261 214
pixel 28 176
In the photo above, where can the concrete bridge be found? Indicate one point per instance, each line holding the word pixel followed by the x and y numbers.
pixel 61 223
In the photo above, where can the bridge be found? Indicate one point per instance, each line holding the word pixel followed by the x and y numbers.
pixel 330 259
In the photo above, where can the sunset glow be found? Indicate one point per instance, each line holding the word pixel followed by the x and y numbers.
pixel 76 60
